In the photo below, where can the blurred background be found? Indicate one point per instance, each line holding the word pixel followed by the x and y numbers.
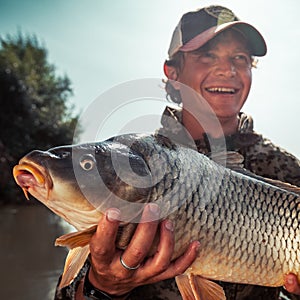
pixel 58 56
pixel 100 44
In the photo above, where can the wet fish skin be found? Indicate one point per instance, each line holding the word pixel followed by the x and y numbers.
pixel 248 229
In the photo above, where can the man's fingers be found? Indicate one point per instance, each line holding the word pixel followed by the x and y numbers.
pixel 184 261
pixel 161 260
pixel 143 237
pixel 292 284
pixel 106 233
pixel 179 265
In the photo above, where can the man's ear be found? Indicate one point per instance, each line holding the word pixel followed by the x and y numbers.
pixel 170 72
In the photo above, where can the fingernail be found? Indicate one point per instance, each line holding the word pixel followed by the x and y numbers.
pixel 169 225
pixel 113 214
pixel 290 280
pixel 154 208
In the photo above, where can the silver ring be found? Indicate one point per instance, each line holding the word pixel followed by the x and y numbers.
pixel 127 267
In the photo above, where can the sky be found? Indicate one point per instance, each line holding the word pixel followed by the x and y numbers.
pixel 102 44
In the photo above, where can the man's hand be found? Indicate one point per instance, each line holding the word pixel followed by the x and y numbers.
pixel 291 284
pixel 109 275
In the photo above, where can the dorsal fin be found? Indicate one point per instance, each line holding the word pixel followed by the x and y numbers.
pixel 234 161
pixel 283 185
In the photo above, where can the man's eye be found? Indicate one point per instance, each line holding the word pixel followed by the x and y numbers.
pixel 207 57
pixel 242 59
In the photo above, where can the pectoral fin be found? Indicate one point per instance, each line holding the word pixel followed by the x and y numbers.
pixel 74 262
pixel 195 287
pixel 76 239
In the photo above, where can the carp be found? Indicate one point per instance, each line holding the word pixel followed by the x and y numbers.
pixel 248 226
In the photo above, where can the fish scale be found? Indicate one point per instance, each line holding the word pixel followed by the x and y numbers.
pixel 263 217
pixel 238 252
pixel 248 227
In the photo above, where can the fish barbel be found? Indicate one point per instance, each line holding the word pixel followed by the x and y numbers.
pixel 248 227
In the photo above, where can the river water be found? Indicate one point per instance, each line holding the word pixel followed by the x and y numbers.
pixel 30 263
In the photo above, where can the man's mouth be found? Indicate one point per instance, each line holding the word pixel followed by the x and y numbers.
pixel 222 90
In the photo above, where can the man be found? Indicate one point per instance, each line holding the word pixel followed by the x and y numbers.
pixel 212 53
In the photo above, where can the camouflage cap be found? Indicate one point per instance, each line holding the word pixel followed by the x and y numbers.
pixel 196 28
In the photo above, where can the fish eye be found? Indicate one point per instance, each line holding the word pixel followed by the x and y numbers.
pixel 87 162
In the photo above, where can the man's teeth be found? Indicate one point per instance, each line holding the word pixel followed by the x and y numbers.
pixel 221 90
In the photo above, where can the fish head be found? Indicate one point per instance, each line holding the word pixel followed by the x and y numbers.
pixel 85 178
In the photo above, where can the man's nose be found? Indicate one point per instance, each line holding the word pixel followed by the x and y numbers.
pixel 225 67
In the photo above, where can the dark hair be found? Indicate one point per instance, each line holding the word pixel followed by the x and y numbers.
pixel 177 62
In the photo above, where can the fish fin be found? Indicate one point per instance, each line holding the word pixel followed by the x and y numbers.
pixel 283 185
pixel 184 287
pixel 76 239
pixel 280 184
pixel 195 287
pixel 73 264
pixel 234 161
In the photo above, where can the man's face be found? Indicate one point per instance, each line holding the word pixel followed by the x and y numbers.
pixel 220 73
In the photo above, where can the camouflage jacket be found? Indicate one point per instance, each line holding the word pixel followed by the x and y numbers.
pixel 261 157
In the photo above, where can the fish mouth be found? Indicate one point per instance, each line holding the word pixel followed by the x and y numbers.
pixel 31 177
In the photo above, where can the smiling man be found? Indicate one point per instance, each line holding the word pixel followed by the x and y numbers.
pixel 220 72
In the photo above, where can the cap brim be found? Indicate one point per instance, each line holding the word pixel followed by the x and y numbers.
pixel 255 39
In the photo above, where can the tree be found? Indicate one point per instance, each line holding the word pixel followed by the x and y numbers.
pixel 35 113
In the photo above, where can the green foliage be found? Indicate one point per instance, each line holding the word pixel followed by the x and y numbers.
pixel 34 104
